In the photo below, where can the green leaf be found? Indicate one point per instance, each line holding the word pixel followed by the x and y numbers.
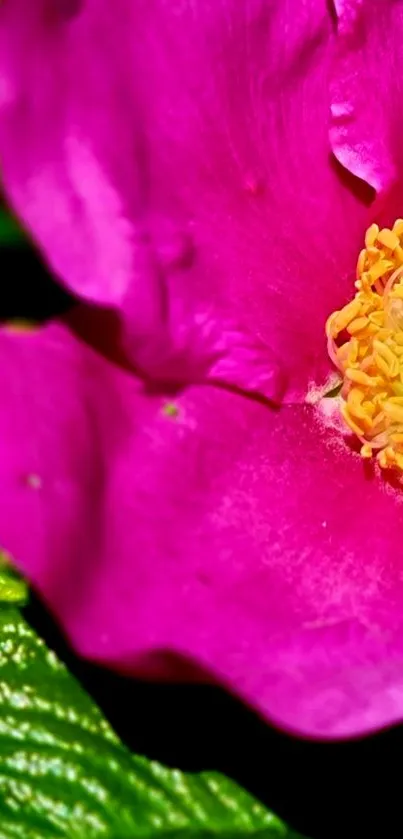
pixel 64 772
pixel 10 231
pixel 12 588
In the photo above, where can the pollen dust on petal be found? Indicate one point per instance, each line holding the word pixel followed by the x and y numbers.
pixel 365 342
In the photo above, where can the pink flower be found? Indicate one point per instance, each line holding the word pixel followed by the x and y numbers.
pixel 206 171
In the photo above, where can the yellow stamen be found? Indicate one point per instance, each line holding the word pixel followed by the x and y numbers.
pixel 388 239
pixel 371 360
pixel 361 378
pixel 357 325
pixel 386 353
pixel 376 318
pixel 343 318
pixel 362 260
pixel 379 270
pixel 351 421
pixel 355 398
pixel 394 412
pixel 398 254
pixel 371 234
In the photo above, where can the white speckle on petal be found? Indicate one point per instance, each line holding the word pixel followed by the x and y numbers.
pixel 34 481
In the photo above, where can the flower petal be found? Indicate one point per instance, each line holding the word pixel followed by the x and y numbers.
pixel 243 540
pixel 173 161
pixel 367 127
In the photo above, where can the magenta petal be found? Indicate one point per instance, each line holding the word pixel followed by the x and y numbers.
pixel 173 161
pixel 213 530
pixel 367 85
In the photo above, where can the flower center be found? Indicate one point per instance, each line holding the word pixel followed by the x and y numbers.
pixel 365 342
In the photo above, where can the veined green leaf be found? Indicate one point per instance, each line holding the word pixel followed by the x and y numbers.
pixel 64 772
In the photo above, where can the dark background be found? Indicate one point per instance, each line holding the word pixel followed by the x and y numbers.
pixel 323 790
